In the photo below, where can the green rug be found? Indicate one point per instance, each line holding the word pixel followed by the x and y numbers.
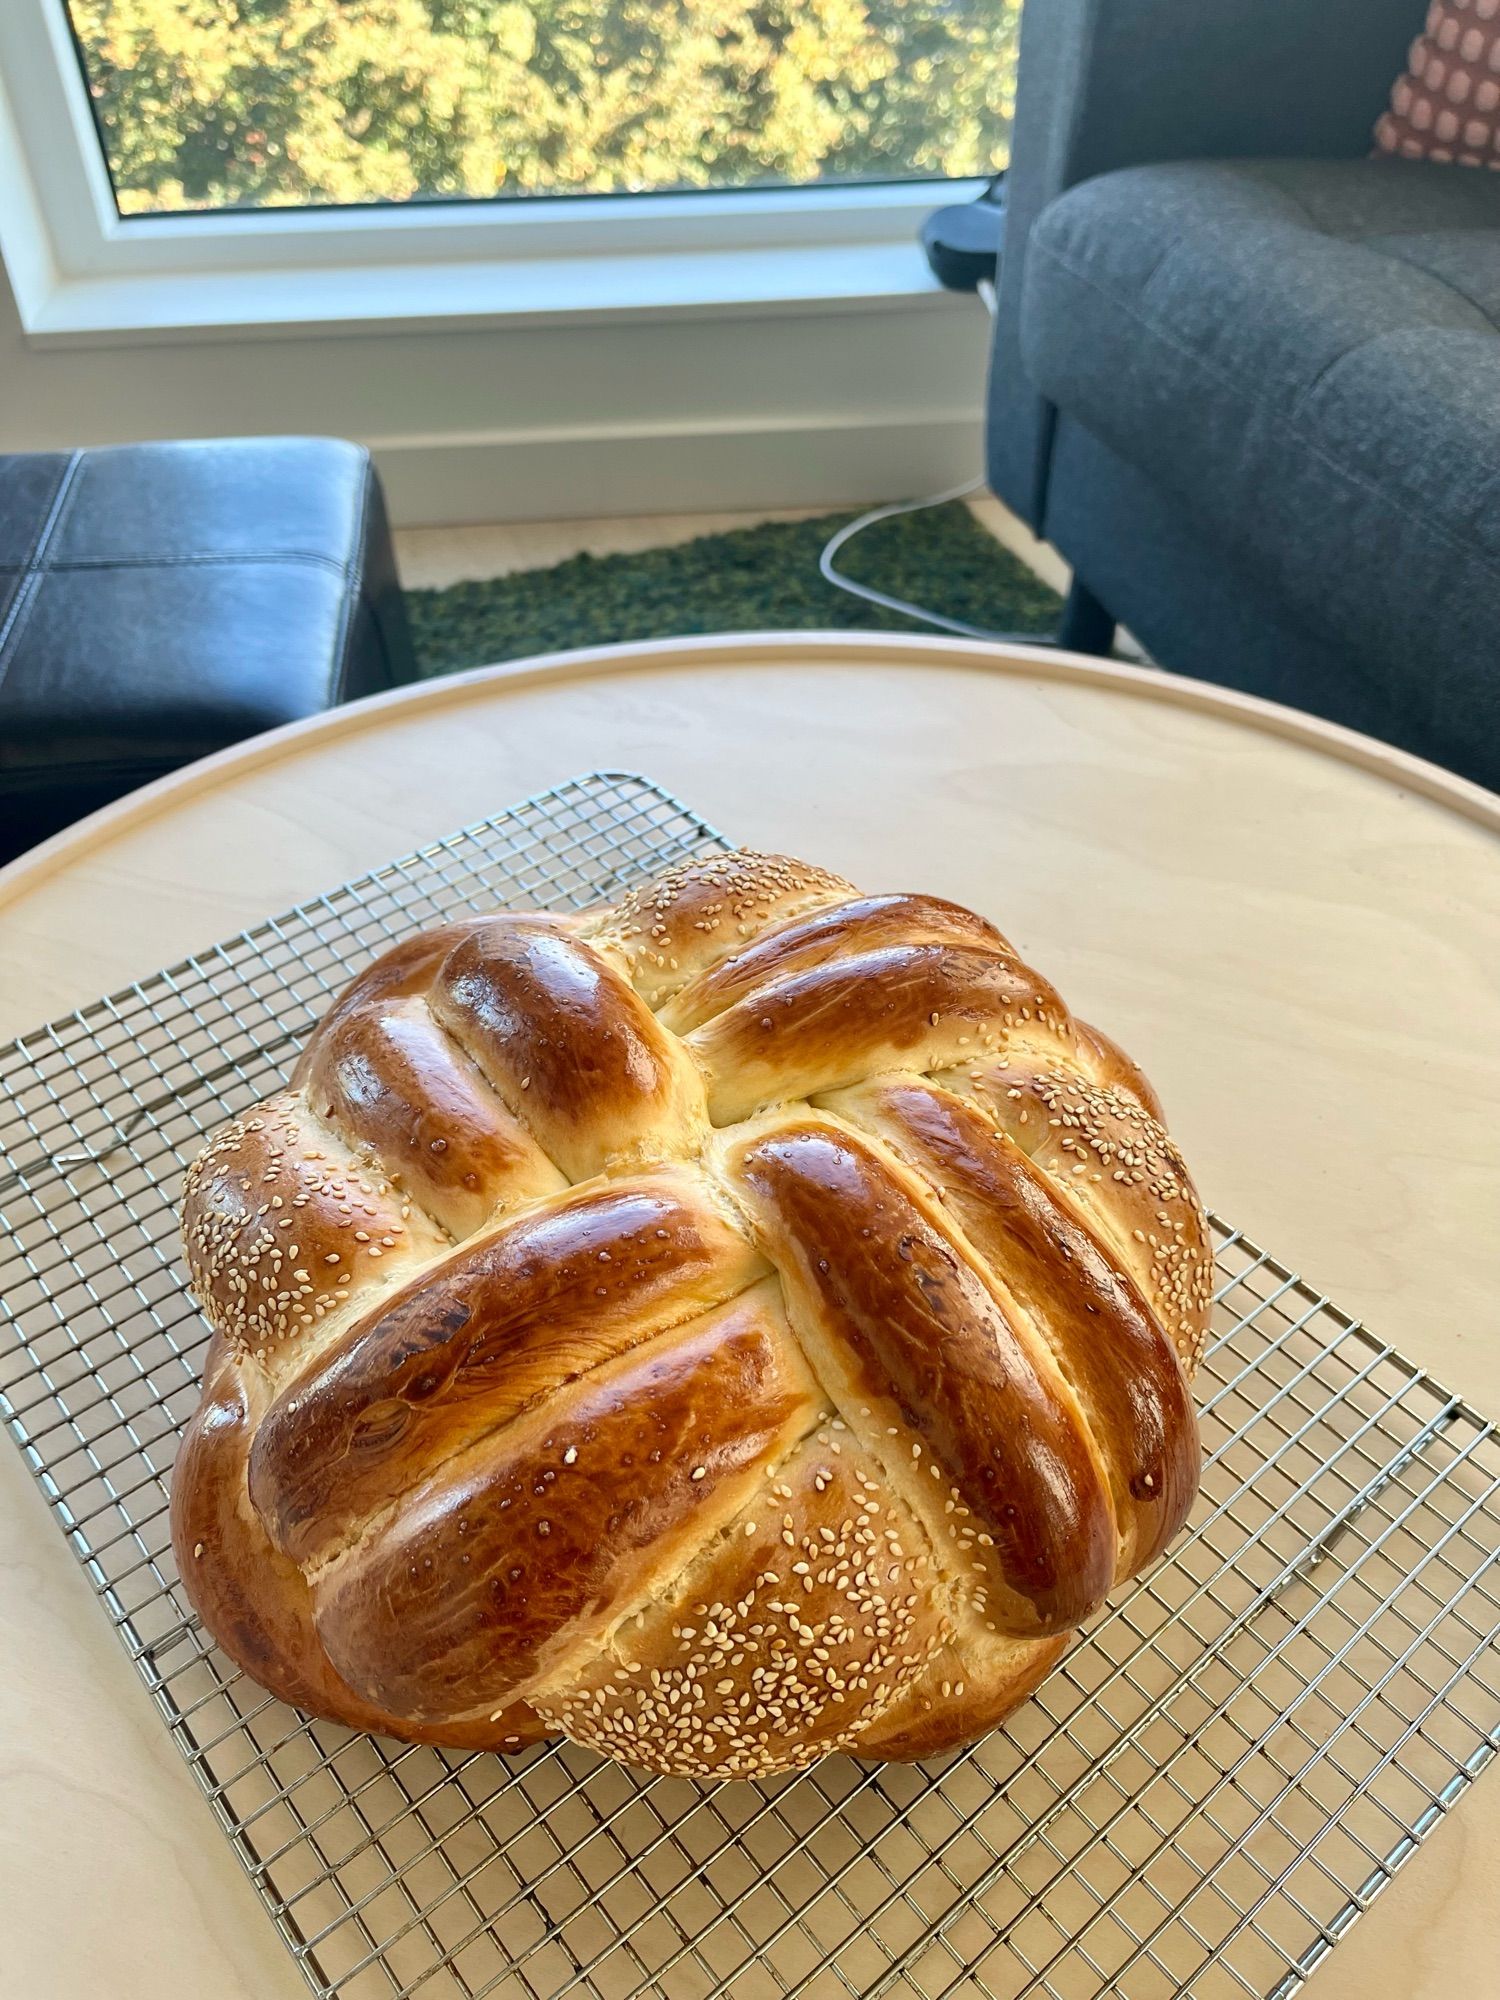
pixel 752 579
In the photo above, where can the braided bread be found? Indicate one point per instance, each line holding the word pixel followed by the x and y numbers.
pixel 749 1322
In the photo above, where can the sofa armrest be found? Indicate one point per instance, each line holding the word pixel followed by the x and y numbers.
pixel 1118 83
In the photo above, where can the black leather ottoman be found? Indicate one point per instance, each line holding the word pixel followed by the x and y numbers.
pixel 159 601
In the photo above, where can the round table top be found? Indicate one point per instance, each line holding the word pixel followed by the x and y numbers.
pixel 1296 932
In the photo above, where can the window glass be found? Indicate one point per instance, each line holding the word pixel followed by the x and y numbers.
pixel 212 104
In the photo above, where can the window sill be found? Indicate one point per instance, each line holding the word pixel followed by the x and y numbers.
pixel 124 309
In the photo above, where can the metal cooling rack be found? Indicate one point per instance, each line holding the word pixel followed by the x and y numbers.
pixel 1201 1799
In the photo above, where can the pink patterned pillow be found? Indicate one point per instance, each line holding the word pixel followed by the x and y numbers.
pixel 1447 106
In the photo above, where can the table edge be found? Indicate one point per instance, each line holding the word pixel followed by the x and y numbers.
pixel 1399 767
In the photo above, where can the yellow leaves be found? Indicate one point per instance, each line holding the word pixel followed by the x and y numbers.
pixel 515 32
pixel 832 41
pixel 215 102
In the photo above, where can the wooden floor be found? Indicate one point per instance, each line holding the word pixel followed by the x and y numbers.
pixel 430 558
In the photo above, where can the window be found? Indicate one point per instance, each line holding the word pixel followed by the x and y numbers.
pixel 229 104
pixel 171 167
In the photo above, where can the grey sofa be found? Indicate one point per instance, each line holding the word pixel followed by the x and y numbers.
pixel 1246 378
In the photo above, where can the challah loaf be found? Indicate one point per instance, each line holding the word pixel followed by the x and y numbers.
pixel 746 1323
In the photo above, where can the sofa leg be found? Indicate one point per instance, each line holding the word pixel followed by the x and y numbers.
pixel 1086 627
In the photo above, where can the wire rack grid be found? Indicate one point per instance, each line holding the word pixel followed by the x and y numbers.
pixel 1217 1781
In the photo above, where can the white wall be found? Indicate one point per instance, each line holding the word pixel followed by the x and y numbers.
pixel 629 417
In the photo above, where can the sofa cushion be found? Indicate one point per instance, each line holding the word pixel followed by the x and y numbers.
pixel 160 601
pixel 1307 355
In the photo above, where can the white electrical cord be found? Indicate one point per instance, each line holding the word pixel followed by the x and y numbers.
pixel 940 619
pixel 889 512
pixel 887 603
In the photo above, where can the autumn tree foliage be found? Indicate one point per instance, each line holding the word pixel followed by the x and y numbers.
pixel 223 103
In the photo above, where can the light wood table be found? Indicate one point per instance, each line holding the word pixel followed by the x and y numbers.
pixel 1297 932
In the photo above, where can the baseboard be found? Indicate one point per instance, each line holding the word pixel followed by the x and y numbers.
pixel 560 475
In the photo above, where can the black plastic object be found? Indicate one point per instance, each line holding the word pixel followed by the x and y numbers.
pixel 963 243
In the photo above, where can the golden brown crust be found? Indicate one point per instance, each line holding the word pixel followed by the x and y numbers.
pixel 1105 1062
pixel 256 1602
pixel 406 969
pixel 536 1539
pixel 1049 1266
pixel 1120 1170
pixel 909 1006
pixel 918 1337
pixel 960 1698
pixel 499 1325
pixel 284 1227
pixel 840 930
pixel 744 1324
pixel 388 1079
pixel 793 1632
pixel 695 914
pixel 568 1045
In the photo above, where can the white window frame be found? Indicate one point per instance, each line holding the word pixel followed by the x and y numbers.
pixel 84 276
